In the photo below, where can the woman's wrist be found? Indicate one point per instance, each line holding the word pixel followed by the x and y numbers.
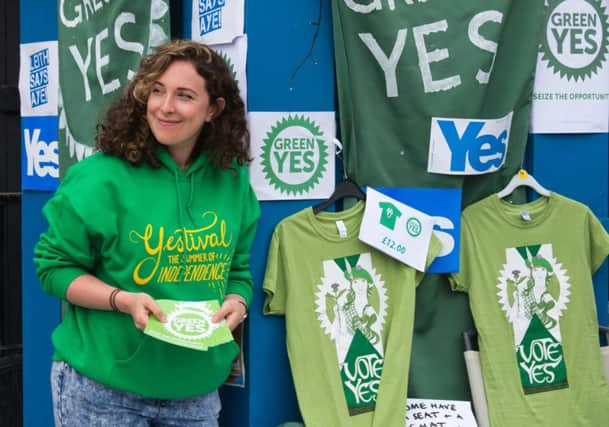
pixel 239 299
pixel 112 299
pixel 242 302
pixel 119 302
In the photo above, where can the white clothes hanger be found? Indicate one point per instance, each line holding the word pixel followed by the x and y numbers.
pixel 523 178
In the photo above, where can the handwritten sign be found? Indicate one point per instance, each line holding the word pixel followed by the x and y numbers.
pixel 439 413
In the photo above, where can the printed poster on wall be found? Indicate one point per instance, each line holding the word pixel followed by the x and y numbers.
pixel 39 153
pixel 217 21
pixel 571 92
pixel 38 78
pixel 293 154
pixel 235 55
pixel 100 47
pixel 38 88
pixel 489 152
pixel 404 66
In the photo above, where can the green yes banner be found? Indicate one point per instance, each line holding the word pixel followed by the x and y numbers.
pixel 100 46
pixel 435 93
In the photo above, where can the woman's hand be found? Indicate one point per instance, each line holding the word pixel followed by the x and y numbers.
pixel 140 306
pixel 233 310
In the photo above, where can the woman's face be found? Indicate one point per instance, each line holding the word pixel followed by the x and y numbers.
pixel 360 286
pixel 178 106
pixel 539 274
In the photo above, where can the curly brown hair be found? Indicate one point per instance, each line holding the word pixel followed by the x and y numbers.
pixel 125 133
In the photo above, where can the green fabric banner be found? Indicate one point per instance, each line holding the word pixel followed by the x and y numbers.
pixel 454 76
pixel 100 46
pixel 407 69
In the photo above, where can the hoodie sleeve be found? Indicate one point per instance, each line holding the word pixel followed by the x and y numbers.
pixel 240 277
pixel 64 251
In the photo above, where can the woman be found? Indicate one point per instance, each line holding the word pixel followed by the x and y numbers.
pixel 162 210
pixel 539 291
pixel 354 312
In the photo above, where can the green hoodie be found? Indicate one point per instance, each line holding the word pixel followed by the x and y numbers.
pixel 172 234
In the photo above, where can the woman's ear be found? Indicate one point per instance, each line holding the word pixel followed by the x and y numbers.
pixel 217 108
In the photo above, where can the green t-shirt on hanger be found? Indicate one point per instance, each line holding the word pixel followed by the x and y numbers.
pixel 528 272
pixel 349 317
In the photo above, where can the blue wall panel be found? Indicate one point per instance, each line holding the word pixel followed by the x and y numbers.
pixel 280 34
pixel 576 166
pixel 272 399
pixel 37 20
pixel 41 313
pixel 281 78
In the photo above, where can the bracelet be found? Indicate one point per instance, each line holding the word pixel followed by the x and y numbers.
pixel 112 298
pixel 244 305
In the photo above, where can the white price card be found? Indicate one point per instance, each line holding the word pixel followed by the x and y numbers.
pixel 396 229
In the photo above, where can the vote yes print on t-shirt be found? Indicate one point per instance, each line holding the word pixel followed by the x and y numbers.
pixel 351 302
pixel 534 293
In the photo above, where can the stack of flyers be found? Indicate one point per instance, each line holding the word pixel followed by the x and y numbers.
pixel 189 324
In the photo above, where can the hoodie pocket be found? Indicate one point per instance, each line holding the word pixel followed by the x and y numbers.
pixel 161 370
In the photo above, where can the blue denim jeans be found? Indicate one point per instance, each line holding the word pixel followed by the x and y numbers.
pixel 79 401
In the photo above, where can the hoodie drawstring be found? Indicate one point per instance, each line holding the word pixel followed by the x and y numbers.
pixel 179 196
pixel 191 195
